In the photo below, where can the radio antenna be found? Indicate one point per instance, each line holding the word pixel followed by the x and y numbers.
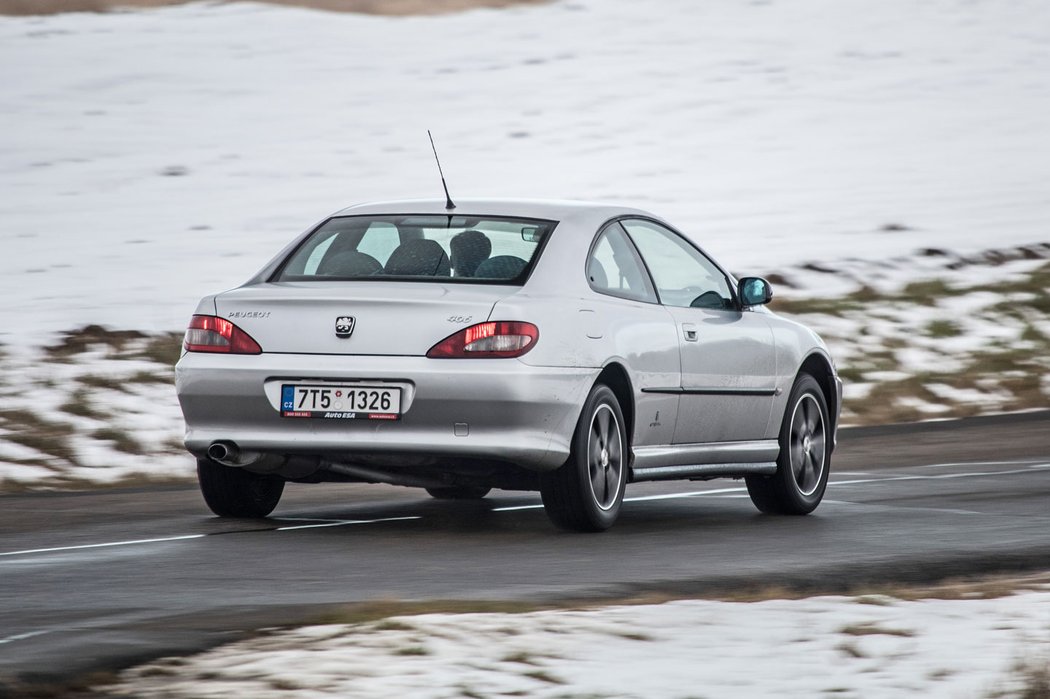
pixel 448 200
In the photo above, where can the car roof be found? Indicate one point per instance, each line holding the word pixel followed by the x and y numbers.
pixel 550 209
pixel 578 223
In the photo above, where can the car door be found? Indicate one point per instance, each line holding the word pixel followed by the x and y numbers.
pixel 728 377
pixel 626 318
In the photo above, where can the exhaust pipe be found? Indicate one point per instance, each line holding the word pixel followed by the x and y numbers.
pixel 229 454
pixel 225 453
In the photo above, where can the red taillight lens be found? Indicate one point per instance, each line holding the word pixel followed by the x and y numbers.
pixel 214 334
pixel 502 338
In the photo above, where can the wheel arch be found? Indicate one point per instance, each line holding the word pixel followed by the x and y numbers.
pixel 820 368
pixel 615 376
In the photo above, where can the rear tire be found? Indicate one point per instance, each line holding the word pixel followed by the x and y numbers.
pixel 233 492
pixel 586 492
pixel 805 455
pixel 460 492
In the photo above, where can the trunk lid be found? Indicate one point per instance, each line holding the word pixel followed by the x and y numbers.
pixel 389 318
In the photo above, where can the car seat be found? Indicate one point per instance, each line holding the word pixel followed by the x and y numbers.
pixel 349 263
pixel 419 258
pixel 469 249
pixel 501 267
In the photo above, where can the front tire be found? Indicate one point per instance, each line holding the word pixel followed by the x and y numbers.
pixel 805 455
pixel 234 492
pixel 586 492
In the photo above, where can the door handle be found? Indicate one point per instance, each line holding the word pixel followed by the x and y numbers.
pixel 689 330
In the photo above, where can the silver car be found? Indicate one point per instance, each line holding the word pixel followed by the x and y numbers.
pixel 563 347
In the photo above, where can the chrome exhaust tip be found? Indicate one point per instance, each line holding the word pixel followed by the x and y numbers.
pixel 223 452
pixel 228 453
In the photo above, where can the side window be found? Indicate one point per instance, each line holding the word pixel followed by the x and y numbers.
pixel 379 241
pixel 614 267
pixel 314 260
pixel 683 275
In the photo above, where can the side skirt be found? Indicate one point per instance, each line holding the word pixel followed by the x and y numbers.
pixel 732 459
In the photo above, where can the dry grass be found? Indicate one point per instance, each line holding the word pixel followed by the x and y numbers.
pixel 366 612
pixel 151 377
pixel 121 440
pixel 990 587
pixel 870 628
pixel 1016 371
pixel 396 8
pixel 79 404
pixel 852 650
pixel 84 339
pixel 1035 680
pixel 1030 679
pixel 412 650
pixel 63 481
pixel 109 383
pixel 520 657
pixel 81 687
pixel 163 349
pixel 36 432
pixel 380 612
pixel 544 676
pixel 285 685
pixel 881 594
pixel 393 625
pixel 1008 375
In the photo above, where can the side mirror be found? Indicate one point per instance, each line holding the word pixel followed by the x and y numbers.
pixel 754 291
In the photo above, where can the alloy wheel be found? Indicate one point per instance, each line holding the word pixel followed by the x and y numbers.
pixel 605 457
pixel 807 444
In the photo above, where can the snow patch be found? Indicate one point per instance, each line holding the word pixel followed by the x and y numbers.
pixel 152 157
pixel 876 648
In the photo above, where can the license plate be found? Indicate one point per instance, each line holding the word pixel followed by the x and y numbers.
pixel 340 402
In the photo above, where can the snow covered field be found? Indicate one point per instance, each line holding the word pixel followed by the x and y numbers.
pixel 862 152
pixel 150 157
pixel 852 647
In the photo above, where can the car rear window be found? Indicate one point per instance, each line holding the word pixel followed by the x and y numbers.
pixel 443 248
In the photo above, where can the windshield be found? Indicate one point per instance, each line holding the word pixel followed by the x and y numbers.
pixel 421 248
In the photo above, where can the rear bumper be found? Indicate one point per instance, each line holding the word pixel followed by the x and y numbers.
pixel 496 409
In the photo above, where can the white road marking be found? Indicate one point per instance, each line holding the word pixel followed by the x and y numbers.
pixel 943 476
pixel 321 523
pixel 23 636
pixel 1030 466
pixel 1033 462
pixel 305 519
pixel 884 506
pixel 728 492
pixel 640 498
pixel 134 542
pixel 344 522
pixel 693 494
pixel 107 544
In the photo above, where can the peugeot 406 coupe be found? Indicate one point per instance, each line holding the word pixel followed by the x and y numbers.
pixel 560 347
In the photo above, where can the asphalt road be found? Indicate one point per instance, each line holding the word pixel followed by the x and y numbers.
pixel 105 579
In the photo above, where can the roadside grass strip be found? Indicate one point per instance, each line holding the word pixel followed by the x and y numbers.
pixel 96 408
pixel 971 338
pixel 867 646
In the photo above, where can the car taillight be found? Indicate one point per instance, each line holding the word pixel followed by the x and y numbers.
pixel 502 338
pixel 214 334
